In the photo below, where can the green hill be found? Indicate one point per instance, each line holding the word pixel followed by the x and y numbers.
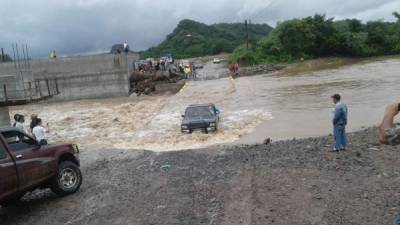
pixel 194 39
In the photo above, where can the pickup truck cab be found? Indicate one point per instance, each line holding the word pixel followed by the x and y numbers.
pixel 26 165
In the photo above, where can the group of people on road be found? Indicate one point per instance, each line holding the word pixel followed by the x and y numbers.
pixel 189 70
pixel 162 65
pixel 156 65
pixel 36 128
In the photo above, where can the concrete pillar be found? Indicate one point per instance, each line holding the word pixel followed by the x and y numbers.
pixel 4 117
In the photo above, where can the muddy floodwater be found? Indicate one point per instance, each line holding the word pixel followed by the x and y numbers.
pixel 301 104
pixel 280 105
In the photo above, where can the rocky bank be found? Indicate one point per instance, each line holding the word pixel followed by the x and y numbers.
pixel 260 69
pixel 286 182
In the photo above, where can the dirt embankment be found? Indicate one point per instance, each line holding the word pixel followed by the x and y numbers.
pixel 288 182
pixel 260 69
pixel 308 66
pixel 154 82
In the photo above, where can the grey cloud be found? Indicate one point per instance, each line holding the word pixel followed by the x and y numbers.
pixel 83 26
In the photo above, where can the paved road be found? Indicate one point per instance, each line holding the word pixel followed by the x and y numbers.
pixel 213 71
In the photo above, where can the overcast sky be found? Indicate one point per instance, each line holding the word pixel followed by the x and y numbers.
pixel 91 26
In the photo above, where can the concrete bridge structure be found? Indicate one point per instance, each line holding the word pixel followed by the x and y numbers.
pixel 63 79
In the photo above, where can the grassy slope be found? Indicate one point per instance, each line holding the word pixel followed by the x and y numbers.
pixel 194 39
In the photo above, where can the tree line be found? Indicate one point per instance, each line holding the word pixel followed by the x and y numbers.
pixel 318 36
pixel 193 39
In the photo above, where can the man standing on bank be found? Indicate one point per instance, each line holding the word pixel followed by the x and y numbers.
pixel 339 123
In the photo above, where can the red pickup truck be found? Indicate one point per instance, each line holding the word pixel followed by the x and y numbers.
pixel 25 165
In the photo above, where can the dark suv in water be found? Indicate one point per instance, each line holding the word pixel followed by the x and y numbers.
pixel 200 117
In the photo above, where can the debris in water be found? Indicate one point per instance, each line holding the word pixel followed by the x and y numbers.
pixel 267 141
pixel 165 166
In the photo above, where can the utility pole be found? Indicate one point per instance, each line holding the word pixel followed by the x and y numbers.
pixel 29 64
pixel 247 34
pixel 14 59
pixel 2 55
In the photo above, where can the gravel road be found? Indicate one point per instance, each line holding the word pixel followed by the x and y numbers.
pixel 287 182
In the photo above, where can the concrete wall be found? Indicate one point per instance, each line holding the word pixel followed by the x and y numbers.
pixel 13 86
pixel 78 77
pixel 75 64
pixel 15 90
pixel 93 85
pixel 4 117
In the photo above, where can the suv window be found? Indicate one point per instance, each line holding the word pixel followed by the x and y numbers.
pixel 2 151
pixel 18 141
pixel 200 111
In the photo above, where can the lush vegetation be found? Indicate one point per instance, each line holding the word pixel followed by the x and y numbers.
pixel 194 39
pixel 319 36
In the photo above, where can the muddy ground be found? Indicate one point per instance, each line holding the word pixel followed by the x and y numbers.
pixel 288 183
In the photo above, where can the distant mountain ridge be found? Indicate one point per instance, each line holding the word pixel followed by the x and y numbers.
pixel 195 39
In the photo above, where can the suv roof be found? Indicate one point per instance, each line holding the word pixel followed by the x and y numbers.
pixel 201 105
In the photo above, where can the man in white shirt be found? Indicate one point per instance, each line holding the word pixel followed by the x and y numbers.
pixel 126 47
pixel 19 124
pixel 39 132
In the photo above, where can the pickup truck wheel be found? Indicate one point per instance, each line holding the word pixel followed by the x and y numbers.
pixel 68 179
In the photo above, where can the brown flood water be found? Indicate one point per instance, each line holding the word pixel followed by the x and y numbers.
pixel 300 102
pixel 293 103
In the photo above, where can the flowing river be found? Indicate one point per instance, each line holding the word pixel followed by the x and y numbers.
pixel 281 105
